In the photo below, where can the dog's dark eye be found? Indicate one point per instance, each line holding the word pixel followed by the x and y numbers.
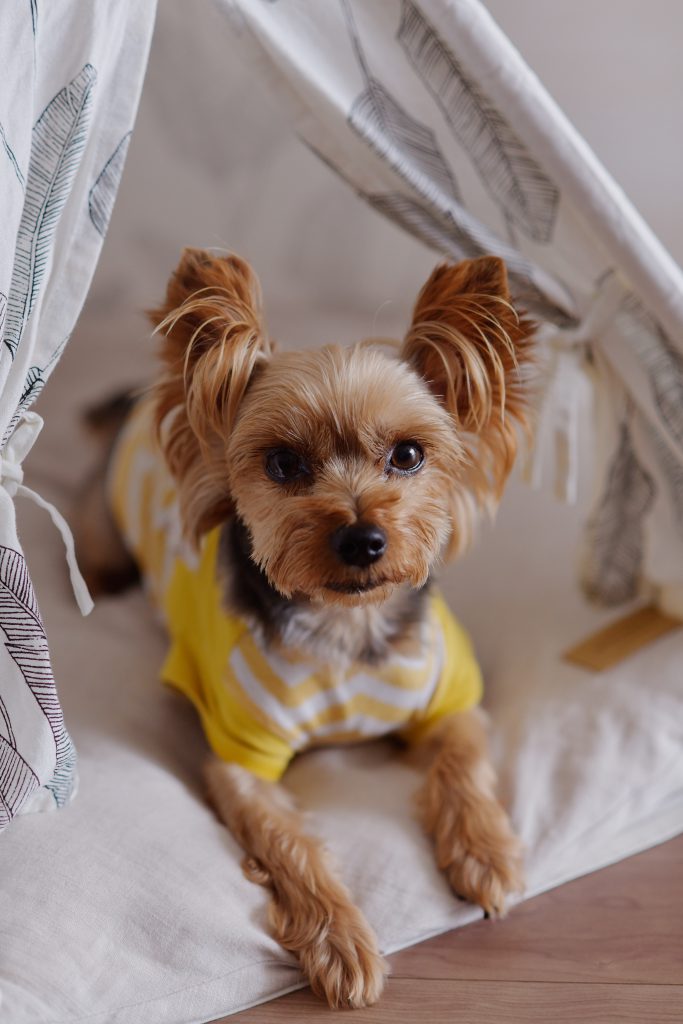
pixel 407 456
pixel 284 465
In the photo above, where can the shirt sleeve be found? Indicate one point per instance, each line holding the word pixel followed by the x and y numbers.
pixel 232 733
pixel 460 686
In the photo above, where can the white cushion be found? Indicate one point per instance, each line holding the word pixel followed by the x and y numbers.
pixel 130 904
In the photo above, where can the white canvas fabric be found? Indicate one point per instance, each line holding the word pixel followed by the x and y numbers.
pixel 429 113
pixel 71 81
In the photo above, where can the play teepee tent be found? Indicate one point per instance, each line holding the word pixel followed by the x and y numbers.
pixel 429 114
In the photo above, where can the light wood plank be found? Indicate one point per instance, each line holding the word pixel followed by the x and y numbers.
pixel 478 1002
pixel 622 924
pixel 621 639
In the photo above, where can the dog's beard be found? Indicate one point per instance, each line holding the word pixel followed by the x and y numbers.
pixel 310 619
pixel 366 587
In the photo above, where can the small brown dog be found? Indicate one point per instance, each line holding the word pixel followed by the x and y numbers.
pixel 287 510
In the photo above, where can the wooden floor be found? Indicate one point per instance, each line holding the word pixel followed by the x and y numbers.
pixel 605 949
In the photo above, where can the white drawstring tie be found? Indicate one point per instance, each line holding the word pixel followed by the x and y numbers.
pixel 11 478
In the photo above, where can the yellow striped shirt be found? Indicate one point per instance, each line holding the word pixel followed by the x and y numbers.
pixel 259 705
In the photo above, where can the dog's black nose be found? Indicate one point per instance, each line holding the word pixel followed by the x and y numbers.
pixel 361 544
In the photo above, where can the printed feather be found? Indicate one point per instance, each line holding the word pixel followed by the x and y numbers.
pixel 57 143
pixel 11 157
pixel 662 362
pixel 456 233
pixel 672 470
pixel 26 644
pixel 512 176
pixel 409 147
pixel 17 779
pixel 103 193
pixel 614 534
pixel 33 385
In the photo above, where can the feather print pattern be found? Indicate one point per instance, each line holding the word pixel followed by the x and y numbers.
pixel 11 157
pixel 662 362
pixel 615 530
pixel 410 148
pixel 26 644
pixel 672 470
pixel 512 176
pixel 17 780
pixel 57 143
pixel 436 215
pixel 33 385
pixel 103 193
pixel 444 234
pixel 457 234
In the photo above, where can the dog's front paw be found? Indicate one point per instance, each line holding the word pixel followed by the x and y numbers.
pixel 344 966
pixel 481 856
pixel 337 951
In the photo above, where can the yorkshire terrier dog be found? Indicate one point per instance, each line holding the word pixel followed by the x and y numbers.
pixel 286 511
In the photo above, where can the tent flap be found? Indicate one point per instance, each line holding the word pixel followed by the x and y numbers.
pixel 68 103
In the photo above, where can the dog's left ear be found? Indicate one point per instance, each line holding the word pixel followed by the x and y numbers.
pixel 472 349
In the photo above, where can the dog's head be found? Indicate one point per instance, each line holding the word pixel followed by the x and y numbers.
pixel 353 469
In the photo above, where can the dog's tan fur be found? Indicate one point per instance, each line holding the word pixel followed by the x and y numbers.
pixel 225 399
pixel 311 912
pixel 474 843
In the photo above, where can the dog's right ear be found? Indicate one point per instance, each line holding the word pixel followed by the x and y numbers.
pixel 214 341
